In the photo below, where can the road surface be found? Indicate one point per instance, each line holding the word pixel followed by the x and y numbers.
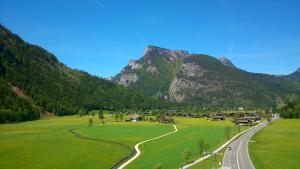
pixel 236 156
pixel 138 152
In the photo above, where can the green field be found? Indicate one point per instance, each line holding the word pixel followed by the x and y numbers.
pixel 48 144
pixel 277 146
pixel 168 151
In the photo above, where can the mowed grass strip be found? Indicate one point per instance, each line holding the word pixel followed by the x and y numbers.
pixel 168 151
pixel 277 146
pixel 48 144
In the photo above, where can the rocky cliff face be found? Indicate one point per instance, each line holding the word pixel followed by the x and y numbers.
pixel 226 62
pixel 126 79
pixel 153 73
pixel 170 54
pixel 202 80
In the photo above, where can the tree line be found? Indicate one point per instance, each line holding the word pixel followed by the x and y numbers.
pixel 291 110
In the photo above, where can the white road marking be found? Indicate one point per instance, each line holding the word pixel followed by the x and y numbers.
pixel 237 155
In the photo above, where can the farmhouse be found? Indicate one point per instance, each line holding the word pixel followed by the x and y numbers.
pixel 244 122
pixel 249 119
pixel 190 115
pixel 219 117
pixel 252 118
pixel 134 118
pixel 181 114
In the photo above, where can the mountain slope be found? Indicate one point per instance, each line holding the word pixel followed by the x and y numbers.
pixel 153 73
pixel 295 76
pixel 53 87
pixel 205 81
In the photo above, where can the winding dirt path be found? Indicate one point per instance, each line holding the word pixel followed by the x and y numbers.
pixel 138 152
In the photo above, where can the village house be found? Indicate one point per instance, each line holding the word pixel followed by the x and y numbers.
pixel 249 119
pixel 219 117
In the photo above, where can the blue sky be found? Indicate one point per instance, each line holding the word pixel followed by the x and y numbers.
pixel 101 36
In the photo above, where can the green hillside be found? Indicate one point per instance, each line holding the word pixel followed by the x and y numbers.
pixel 44 85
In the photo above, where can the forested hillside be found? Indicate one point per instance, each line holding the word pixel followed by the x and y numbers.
pixel 48 86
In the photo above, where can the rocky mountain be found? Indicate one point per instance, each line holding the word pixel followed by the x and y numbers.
pixel 34 82
pixel 203 80
pixel 153 73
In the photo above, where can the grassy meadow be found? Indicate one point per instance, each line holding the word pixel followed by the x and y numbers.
pixel 48 144
pixel 168 151
pixel 277 146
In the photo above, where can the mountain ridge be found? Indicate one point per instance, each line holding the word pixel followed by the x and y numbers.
pixel 192 78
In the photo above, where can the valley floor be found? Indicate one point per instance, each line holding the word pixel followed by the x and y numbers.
pixel 277 146
pixel 48 143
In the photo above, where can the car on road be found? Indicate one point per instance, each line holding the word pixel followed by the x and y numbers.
pixel 229 148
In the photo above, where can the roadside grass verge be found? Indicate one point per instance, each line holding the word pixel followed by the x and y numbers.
pixel 212 162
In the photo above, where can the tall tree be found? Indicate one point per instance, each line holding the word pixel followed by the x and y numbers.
pixel 186 155
pixel 101 117
pixel 90 121
pixel 201 146
pixel 227 132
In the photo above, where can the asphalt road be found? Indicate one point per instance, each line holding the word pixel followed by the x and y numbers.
pixel 238 156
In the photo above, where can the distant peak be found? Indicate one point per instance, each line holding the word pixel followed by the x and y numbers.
pixel 151 48
pixel 175 53
pixel 298 70
pixel 226 62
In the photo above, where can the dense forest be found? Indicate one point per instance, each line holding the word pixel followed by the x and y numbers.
pixel 48 86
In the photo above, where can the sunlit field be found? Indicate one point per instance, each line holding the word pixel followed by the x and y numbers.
pixel 167 152
pixel 48 144
pixel 277 146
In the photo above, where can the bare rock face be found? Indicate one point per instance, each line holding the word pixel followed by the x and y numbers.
pixel 171 54
pixel 152 69
pixel 178 54
pixel 192 70
pixel 126 79
pixel 226 62
pixel 175 90
pixel 179 89
pixel 134 65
